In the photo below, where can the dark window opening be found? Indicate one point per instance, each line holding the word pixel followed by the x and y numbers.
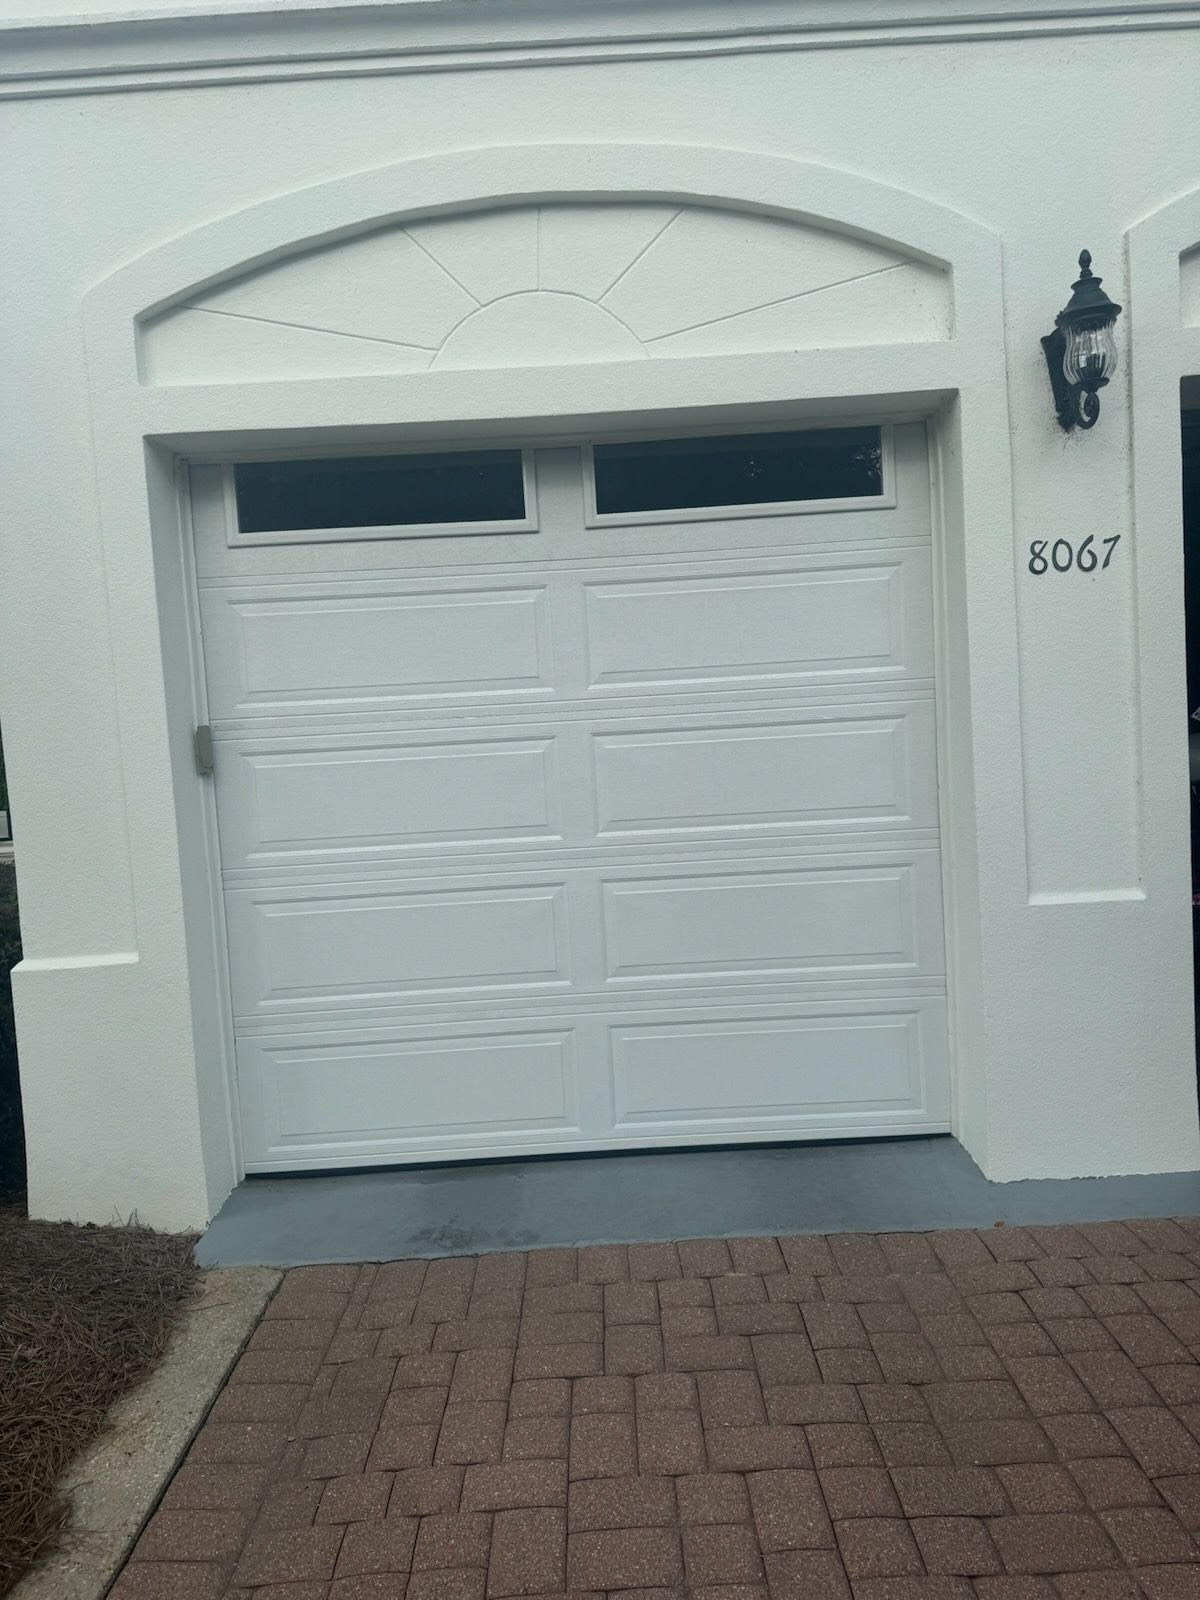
pixel 380 491
pixel 743 469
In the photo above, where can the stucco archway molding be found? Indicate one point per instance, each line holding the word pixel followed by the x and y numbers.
pixel 432 188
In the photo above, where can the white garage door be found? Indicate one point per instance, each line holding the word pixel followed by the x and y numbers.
pixel 577 797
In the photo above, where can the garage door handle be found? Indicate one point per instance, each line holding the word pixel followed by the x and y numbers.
pixel 202 743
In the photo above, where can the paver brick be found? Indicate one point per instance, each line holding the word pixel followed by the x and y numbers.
pixel 994 1443
pixel 407 1407
pixel 858 1492
pixel 294 1556
pixel 444 1583
pixel 215 1488
pixel 1078 1437
pixel 238 1444
pixel 843 1444
pixel 454 1539
pixel 708 1352
pixel 1158 1441
pixel 361 1497
pixel 516 1485
pixel 377 1547
pixel 966 1363
pixel 704 1258
pixel 673 1391
pixel 712 1497
pixel 730 1398
pixel 813 1402
pixel 603 1263
pixel 713 1554
pixel 192 1535
pixel 1062 1542
pixel 670 1441
pixel 756 1448
pixel 638 1558
pixel 652 1262
pixel 1040 1487
pixel 849 1366
pixel 173 1580
pixel 630 1303
pixel 484 1374
pixel 612 1392
pixel 540 1397
pixel 559 1360
pixel 1183 1496
pixel 536 1438
pixel 603 1445
pixel 949 1491
pixel 528 1552
pixel 1109 1483
pixel 633 1349
pixel 291 1503
pixel 1147 1535
pixel 789 1510
pixel 911 1444
pixel 595 1504
pixel 877 1547
pixel 424 1491
pixel 807 1575
pixel 956 1545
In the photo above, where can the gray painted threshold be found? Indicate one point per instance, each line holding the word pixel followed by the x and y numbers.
pixel 895 1185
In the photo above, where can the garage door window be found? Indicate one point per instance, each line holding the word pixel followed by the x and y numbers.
pixel 380 497
pixel 748 474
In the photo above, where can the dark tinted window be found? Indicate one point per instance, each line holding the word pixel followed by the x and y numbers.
pixel 380 491
pixel 738 470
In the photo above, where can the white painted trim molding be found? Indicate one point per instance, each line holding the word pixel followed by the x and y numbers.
pixel 94 50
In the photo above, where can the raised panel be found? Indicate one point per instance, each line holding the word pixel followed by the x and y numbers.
pixel 849 622
pixel 750 1071
pixel 827 917
pixel 328 649
pixel 288 803
pixel 330 947
pixel 370 1093
pixel 837 770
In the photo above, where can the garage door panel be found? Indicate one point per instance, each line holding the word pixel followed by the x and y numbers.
pixel 328 946
pixel 813 772
pixel 826 917
pixel 604 835
pixel 300 802
pixel 288 648
pixel 419 1093
pixel 314 801
pixel 411 1091
pixel 853 621
pixel 746 1072
pixel 294 648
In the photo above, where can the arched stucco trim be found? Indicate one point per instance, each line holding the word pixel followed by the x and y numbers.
pixel 461 180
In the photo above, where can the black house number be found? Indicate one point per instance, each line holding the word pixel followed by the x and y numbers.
pixel 1063 556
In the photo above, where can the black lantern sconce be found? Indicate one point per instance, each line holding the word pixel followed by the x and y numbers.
pixel 1081 353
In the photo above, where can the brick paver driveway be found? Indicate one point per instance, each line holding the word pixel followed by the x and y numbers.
pixel 1008 1415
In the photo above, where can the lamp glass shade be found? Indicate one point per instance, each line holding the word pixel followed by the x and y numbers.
pixel 1090 355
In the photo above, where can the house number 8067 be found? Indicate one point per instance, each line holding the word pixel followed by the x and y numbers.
pixel 1063 555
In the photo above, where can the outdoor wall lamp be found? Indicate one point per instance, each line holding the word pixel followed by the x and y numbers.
pixel 1081 353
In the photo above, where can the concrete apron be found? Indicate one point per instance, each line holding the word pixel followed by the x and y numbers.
pixel 115 1484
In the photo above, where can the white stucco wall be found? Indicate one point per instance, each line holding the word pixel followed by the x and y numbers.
pixel 1066 788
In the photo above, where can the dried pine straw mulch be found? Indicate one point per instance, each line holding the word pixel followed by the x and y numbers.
pixel 84 1314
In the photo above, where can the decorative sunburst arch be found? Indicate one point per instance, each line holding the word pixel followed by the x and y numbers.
pixel 572 281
